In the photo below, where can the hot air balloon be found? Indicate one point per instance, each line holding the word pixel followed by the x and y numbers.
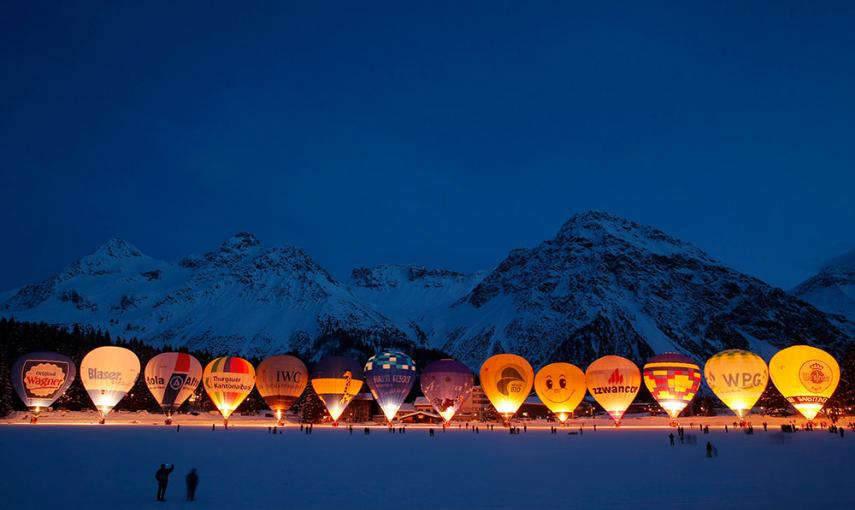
pixel 506 380
pixel 805 376
pixel 390 376
pixel 446 384
pixel 561 388
pixel 108 373
pixel 40 378
pixel 673 380
pixel 281 380
pixel 737 378
pixel 336 380
pixel 613 382
pixel 171 378
pixel 228 380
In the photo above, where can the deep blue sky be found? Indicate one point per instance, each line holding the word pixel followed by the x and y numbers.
pixel 441 134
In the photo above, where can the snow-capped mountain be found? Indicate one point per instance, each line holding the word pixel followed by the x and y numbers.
pixel 832 290
pixel 602 285
pixel 607 285
pixel 241 298
pixel 410 295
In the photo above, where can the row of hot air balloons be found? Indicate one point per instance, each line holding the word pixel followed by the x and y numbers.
pixel 805 375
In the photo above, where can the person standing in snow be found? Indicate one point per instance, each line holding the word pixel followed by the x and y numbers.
pixel 671 438
pixel 192 481
pixel 709 449
pixel 162 477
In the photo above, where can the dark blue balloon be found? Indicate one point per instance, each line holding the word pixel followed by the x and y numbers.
pixel 40 378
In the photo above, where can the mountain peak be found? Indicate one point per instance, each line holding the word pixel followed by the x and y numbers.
pixel 240 242
pixel 845 262
pixel 116 248
pixel 602 228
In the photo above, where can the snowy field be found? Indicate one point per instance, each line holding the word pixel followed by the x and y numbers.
pixel 48 466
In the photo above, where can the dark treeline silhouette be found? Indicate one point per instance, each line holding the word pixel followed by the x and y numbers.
pixel 19 338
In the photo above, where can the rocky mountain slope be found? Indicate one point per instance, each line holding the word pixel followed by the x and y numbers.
pixel 607 285
pixel 602 285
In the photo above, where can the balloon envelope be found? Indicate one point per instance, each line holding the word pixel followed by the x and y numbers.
pixel 171 378
pixel 336 380
pixel 40 378
pixel 737 378
pixel 561 388
pixel 673 380
pixel 506 380
pixel 805 376
pixel 108 373
pixel 613 382
pixel 447 383
pixel 281 380
pixel 228 381
pixel 390 376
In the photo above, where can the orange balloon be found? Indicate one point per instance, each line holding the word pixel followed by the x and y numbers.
pixel 613 382
pixel 506 380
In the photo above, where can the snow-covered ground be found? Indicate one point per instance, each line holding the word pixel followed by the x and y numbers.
pixel 246 467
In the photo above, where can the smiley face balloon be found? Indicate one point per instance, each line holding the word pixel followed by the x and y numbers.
pixel 561 387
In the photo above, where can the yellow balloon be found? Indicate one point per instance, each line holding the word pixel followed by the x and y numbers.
pixel 228 381
pixel 506 380
pixel 613 382
pixel 737 378
pixel 561 387
pixel 805 376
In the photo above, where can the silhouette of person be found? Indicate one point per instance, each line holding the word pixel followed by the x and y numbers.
pixel 162 477
pixel 671 438
pixel 192 481
pixel 709 449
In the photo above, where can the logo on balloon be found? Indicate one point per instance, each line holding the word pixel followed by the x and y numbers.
pixel 510 382
pixel 43 379
pixel 815 376
pixel 177 381
pixel 616 377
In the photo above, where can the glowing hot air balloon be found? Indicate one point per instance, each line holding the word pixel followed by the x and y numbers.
pixel 390 377
pixel 737 378
pixel 561 388
pixel 336 380
pixel 673 380
pixel 228 381
pixel 40 378
pixel 171 378
pixel 281 380
pixel 613 382
pixel 108 373
pixel 506 380
pixel 446 384
pixel 805 376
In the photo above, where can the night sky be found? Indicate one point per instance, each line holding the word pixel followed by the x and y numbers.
pixel 436 133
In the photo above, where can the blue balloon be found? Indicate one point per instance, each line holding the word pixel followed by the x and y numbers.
pixel 390 377
pixel 40 378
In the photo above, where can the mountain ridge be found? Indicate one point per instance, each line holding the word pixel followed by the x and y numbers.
pixel 602 285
